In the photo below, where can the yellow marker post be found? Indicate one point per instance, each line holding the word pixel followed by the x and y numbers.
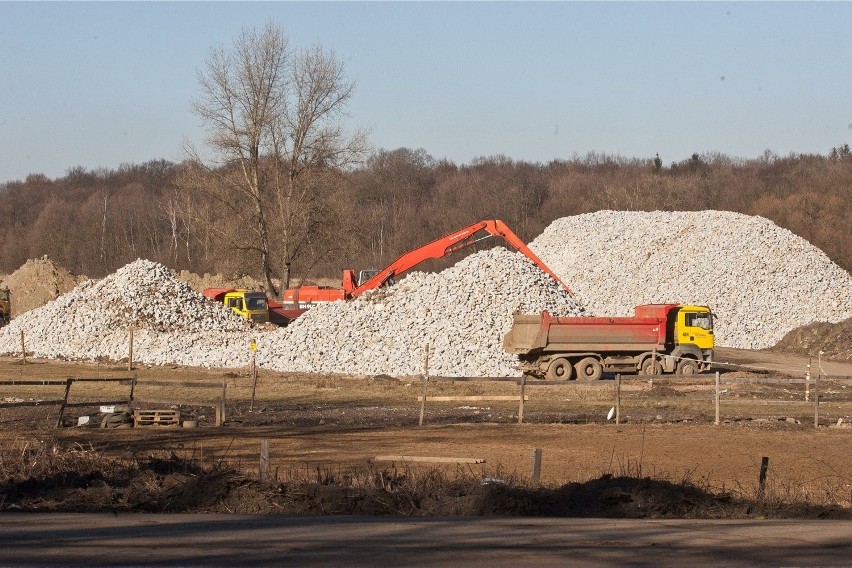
pixel 253 347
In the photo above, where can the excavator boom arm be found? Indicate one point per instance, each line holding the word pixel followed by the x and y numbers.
pixel 449 244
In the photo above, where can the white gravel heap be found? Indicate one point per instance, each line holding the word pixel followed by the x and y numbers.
pixel 761 280
pixel 462 313
pixel 172 323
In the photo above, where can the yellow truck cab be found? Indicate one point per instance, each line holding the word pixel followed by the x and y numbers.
pixel 695 326
pixel 693 336
pixel 249 304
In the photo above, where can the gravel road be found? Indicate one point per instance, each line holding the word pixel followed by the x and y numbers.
pixel 230 540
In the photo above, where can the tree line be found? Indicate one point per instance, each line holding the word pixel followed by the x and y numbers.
pixel 94 221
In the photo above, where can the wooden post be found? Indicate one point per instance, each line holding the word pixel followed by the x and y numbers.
pixel 808 381
pixel 764 465
pixel 224 392
pixel 654 366
pixel 264 460
pixel 253 380
pixel 618 398
pixel 132 390
pixel 521 403
pixel 425 385
pixel 64 402
pixel 23 349
pixel 130 351
pixel 536 466
pixel 816 400
pixel 718 394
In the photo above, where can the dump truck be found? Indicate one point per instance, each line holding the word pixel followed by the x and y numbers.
pixel 5 306
pixel 660 338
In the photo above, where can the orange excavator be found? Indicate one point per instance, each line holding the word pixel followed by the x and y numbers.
pixel 303 296
pixel 251 305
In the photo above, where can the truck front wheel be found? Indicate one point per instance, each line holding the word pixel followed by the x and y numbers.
pixel 589 369
pixel 559 370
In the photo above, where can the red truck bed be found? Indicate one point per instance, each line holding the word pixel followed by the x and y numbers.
pixel 545 333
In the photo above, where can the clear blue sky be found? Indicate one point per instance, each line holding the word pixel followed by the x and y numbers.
pixel 101 84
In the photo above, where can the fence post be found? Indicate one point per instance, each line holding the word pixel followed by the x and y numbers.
pixel 130 350
pixel 521 403
pixel 253 348
pixel 764 465
pixel 425 385
pixel 224 392
pixel 23 349
pixel 618 399
pixel 718 394
pixel 64 402
pixel 264 460
pixel 132 390
pixel 808 380
pixel 536 466
pixel 816 400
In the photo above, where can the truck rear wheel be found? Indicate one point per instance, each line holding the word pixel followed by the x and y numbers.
pixel 651 366
pixel 588 369
pixel 559 370
pixel 687 367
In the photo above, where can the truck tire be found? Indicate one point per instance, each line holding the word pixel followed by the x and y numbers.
pixel 559 370
pixel 687 367
pixel 588 369
pixel 651 366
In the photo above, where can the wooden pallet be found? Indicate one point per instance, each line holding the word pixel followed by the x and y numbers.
pixel 156 418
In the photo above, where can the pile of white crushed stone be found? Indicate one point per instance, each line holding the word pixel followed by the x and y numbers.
pixel 172 323
pixel 761 280
pixel 461 313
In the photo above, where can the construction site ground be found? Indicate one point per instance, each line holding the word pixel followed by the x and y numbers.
pixel 342 424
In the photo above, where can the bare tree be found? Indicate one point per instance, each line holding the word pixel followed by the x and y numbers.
pixel 274 124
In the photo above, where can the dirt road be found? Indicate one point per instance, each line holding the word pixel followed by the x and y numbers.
pixel 727 456
pixel 791 364
pixel 233 540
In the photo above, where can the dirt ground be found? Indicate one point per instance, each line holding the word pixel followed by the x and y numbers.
pixel 336 426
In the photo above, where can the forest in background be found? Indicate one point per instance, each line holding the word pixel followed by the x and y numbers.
pixel 94 222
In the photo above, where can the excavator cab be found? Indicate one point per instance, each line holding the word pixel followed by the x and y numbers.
pixel 5 306
pixel 365 275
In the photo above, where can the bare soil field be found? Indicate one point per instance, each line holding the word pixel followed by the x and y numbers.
pixel 326 428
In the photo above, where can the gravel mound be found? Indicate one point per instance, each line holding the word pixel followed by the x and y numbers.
pixel 833 339
pixel 761 280
pixel 462 313
pixel 173 323
pixel 37 282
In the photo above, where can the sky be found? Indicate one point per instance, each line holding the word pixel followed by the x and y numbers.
pixel 100 84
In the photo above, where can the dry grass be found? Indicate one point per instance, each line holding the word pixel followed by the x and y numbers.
pixel 45 477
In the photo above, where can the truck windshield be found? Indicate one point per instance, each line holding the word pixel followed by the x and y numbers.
pixel 702 320
pixel 256 303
